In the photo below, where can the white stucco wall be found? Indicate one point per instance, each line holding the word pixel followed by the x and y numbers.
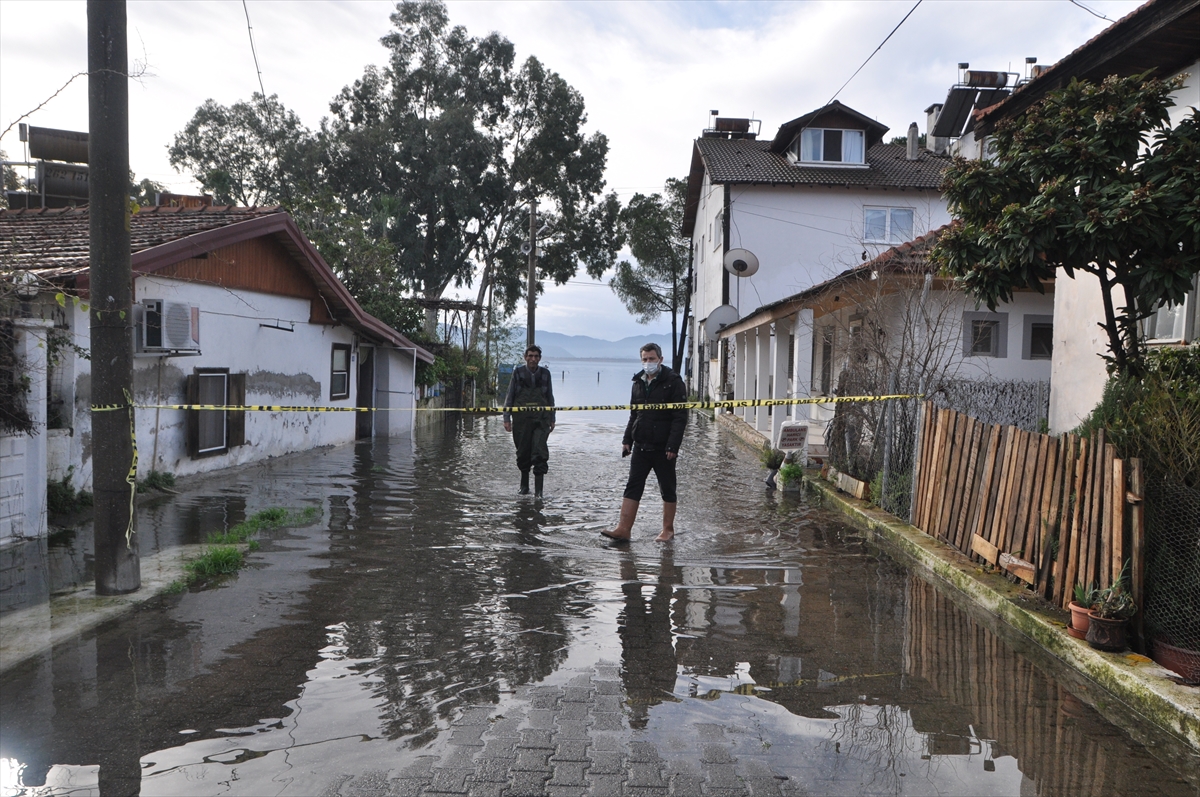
pixel 23 456
pixel 290 368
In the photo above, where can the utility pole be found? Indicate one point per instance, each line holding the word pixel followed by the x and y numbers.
pixel 532 281
pixel 118 569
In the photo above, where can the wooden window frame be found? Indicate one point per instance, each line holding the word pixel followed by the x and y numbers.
pixel 335 395
pixel 234 420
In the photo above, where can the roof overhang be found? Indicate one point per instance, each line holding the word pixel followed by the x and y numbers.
pixel 283 228
pixel 1159 37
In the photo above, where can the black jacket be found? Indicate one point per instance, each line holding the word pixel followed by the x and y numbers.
pixel 657 429
pixel 521 378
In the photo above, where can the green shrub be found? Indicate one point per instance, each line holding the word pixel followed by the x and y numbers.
pixel 63 499
pixel 1157 417
pixel 771 458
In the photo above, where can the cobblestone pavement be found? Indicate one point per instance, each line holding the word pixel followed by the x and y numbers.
pixel 576 740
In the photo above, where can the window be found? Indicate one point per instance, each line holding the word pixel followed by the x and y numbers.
pixel 823 379
pixel 339 376
pixel 214 431
pixel 718 234
pixel 888 225
pixel 820 145
pixel 1176 323
pixel 1038 340
pixel 985 335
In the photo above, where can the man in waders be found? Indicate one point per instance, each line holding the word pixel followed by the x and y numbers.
pixel 530 387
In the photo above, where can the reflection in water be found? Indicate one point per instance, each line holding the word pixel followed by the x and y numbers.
pixel 768 633
pixel 647 654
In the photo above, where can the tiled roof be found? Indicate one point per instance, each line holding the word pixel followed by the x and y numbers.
pixel 911 257
pixel 750 161
pixel 54 242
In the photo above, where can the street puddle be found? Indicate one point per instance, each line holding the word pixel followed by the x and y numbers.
pixel 768 633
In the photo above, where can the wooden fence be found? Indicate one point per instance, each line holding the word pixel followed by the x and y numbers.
pixel 1053 511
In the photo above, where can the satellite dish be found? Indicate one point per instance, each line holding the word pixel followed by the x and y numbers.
pixel 741 262
pixel 721 316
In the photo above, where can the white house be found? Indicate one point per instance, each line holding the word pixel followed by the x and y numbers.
pixel 1161 37
pixel 232 306
pixel 821 196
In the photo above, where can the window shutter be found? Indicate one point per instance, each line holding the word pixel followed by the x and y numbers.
pixel 191 392
pixel 235 420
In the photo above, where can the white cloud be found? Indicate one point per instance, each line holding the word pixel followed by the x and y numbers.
pixel 649 71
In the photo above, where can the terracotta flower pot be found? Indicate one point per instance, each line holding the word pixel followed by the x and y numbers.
pixel 1181 660
pixel 1079 620
pixel 1105 633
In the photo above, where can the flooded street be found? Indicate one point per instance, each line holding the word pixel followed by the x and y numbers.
pixel 432 632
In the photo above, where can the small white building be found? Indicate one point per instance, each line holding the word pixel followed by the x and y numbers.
pixel 823 195
pixel 231 306
pixel 1162 38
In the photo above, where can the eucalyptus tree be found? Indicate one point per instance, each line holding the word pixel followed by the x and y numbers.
pixel 1093 179
pixel 449 143
pixel 659 281
pixel 254 152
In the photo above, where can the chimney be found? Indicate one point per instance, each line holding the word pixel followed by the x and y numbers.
pixel 936 144
pixel 913 151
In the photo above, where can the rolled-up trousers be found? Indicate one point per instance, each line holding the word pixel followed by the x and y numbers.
pixel 641 463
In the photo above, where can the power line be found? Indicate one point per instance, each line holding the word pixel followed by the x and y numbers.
pixel 872 55
pixel 253 51
pixel 1090 11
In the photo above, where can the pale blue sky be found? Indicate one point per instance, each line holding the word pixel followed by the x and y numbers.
pixel 649 71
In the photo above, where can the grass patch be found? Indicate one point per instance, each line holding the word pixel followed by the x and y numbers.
pixel 222 556
pixel 218 560
pixel 157 480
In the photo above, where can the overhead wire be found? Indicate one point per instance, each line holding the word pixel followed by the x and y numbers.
pixel 1090 11
pixel 872 55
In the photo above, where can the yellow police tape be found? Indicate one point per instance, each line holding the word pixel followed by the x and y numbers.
pixel 683 405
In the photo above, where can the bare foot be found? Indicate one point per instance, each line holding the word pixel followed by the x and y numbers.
pixel 612 535
pixel 665 536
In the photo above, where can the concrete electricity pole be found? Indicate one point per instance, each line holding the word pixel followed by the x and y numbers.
pixel 531 292
pixel 118 569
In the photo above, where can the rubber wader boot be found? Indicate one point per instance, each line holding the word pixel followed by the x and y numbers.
pixel 624 529
pixel 537 484
pixel 668 528
pixel 524 482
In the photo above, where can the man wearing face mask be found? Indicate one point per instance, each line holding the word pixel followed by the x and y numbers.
pixel 653 438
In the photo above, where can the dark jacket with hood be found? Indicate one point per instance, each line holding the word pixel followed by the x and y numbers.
pixel 657 429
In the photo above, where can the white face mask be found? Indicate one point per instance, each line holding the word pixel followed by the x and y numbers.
pixel 650 368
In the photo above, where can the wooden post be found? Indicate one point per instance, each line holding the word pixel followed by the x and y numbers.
pixel 1137 546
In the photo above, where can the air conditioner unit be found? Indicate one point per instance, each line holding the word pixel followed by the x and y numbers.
pixel 166 327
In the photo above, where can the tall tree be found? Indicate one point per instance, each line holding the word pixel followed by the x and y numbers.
pixel 248 153
pixel 660 279
pixel 449 144
pixel 1092 179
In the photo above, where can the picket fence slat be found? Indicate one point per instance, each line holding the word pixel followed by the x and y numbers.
pixel 1054 509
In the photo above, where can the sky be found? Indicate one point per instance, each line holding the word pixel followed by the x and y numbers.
pixel 649 72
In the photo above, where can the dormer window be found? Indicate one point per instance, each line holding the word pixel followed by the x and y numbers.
pixel 827 146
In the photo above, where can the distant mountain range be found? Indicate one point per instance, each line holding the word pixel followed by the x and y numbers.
pixel 557 346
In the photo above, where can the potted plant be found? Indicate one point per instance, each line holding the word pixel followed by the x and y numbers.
pixel 772 459
pixel 1085 596
pixel 790 475
pixel 1108 619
